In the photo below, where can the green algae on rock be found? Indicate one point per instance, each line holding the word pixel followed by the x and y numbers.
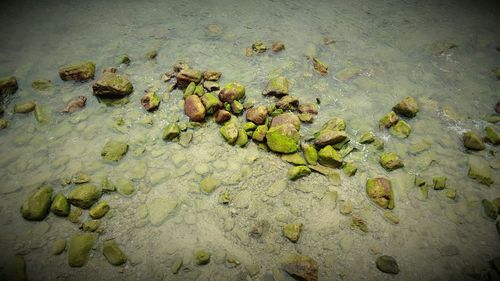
pixel 379 190
pixel 58 247
pixel 439 183
pixel 300 267
pixel 408 107
pixel 283 139
pixel 230 132
pixel 232 91
pixel 329 137
pixel 387 264
pixel 79 249
pixel 473 141
pixel 125 187
pixel 259 47
pixel 479 170
pixel 419 181
pixel 150 101
pixel 60 206
pixel 151 55
pixel 194 109
pixel 390 161
pixel 242 138
pixel 199 91
pixel 292 231
pixel 310 153
pixel 36 206
pixel 84 196
pixel 171 132
pixel 236 107
pixel 490 209
pixel 114 150
pixel 328 156
pixel 349 169
pixel 99 210
pixel 492 136
pixel 260 133
pixel 367 137
pixel 277 87
pixel 297 172
pixel 401 129
pixel 113 253
pixel 75 214
pixel 112 85
pixel 8 86
pixel 24 107
pixel 90 225
pixel 187 75
pixel 201 257
pixel 211 75
pixel 211 103
pixel 123 59
pixel 80 71
pixel 287 103
pixel 335 124
pixel 286 118
pixel 3 123
pixel 388 120
pixel 42 85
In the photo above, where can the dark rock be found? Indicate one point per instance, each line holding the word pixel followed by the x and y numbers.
pixel 187 75
pixel 8 86
pixel 194 109
pixel 257 115
pixel 75 104
pixel 300 267
pixel 80 72
pixel 387 264
pixel 222 116
pixel 150 101
pixel 112 85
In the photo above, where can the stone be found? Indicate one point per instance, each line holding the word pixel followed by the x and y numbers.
pixel 150 101
pixel 249 127
pixel 99 210
pixel 79 249
pixel 211 103
pixel 297 172
pixel 24 107
pixel 222 116
pixel 114 150
pixel 300 267
pixel 401 129
pixel 379 190
pixel 320 66
pixel 329 157
pixel 125 187
pixel 199 91
pixel 123 59
pixel 90 225
pixel 113 253
pixel 287 103
pixel 107 185
pixel 185 138
pixel 201 257
pixel 408 107
pixel 3 123
pixel 349 169
pixel 259 47
pixel 367 137
pixel 209 184
pixel 278 46
pixel 490 209
pixel 378 144
pixel 257 115
pixel 231 92
pixel 171 132
pixel 189 90
pixel 42 85
pixel 176 266
pixel 390 161
pixel 391 217
pixel 80 71
pixel 310 153
pixel 439 183
pixel 36 206
pixel 335 124
pixel 58 247
pixel 211 86
pixel 473 141
pixel 14 269
pixel 80 177
pixel 84 196
pixel 292 231
pixel 283 139
pixel 329 137
pixel 451 193
pixel 310 108
pixel 211 75
pixel 230 132
pixel 194 109
pixel 286 118
pixel 479 171
pixel 8 86
pixel 237 107
pixel 492 136
pixel 260 133
pixel 74 215
pixel 159 209
pixel 112 85
pixel 187 75
pixel 151 55
pixel 277 87
pixel 295 158
pixel 388 120
pixel 60 206
pixel 387 264
pixel 242 139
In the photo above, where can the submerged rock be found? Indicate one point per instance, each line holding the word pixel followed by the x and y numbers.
pixel 439 183
pixel 310 154
pixel 222 116
pixel 292 231
pixel 211 86
pixel 201 257
pixel 24 107
pixel 479 171
pixel 287 103
pixel 211 75
pixel 283 138
pixel 81 71
pixel 408 107
pixel 242 139
pixel 125 187
pixel 492 136
pixel 3 123
pixel 329 157
pixel 278 46
pixel 260 133
pixel 75 104
pixel 379 190
pixel 99 210
pixel 187 75
pixel 310 108
pixel 388 120
pixel 113 253
pixel 123 59
pixel 277 87
pixel 257 115
pixel 259 47
pixel 211 103
pixel 79 249
pixel 114 150
pixel 84 196
pixel 297 172
pixel 387 264
pixel 209 184
pixel 295 158
pixel 8 86
pixel 236 107
pixel 473 141
pixel 390 161
pixel 230 132
pixel 90 225
pixel 335 124
pixel 151 55
pixel 367 137
pixel 150 101
pixel 349 169
pixel 401 129
pixel 320 66
pixel 42 85
pixel 171 132
pixel 112 85
pixel 231 92
pixel 159 209
pixel 300 267
pixel 60 206
pixel 490 209
pixel 36 206
pixel 58 247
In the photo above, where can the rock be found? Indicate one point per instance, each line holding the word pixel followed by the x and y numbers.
pixel 113 253
pixel 176 266
pixel 24 107
pixel 310 153
pixel 451 193
pixel 60 206
pixel 391 217
pixel 242 139
pixel 90 225
pixel 151 55
pixel 288 103
pixel 308 108
pixel 292 231
pixel 189 90
pixel 81 71
pixel 390 161
pixel 42 85
pixel 80 177
pixel 320 66
pixel 159 209
pixel 295 158
pixel 388 120
pixel 259 47
pixel 211 75
pixel 332 174
pixel 211 103
pixel 260 133
pixel 277 87
pixel 257 115
pixel 231 92
pixel 187 75
pixel 306 117
pixel 171 132
pixel 278 46
pixel 492 136
pixel 439 183
pixel 99 210
pixel 185 139
pixel 249 127
pixel 387 264
pixel 335 124
pixel 359 223
pixel 379 190
pixel 114 150
pixel 211 86
pixel 194 109
pixel 201 257
pixel 329 157
pixel 14 269
pixel 75 104
pixel 297 172
pixel 150 101
pixel 401 129
pixel 479 171
pixel 8 86
pixel 123 59
pixel 58 247
pixel 79 249
pixel 378 144
pixel 3 123
pixel 112 85
pixel 74 215
pixel 36 206
pixel 408 107
pixel 209 184
pixel 283 139
pixel 199 90
pixel 230 132
pixel 107 185
pixel 349 169
pixel 222 116
pixel 125 187
pixel 84 196
pixel 236 107
pixel 300 267
pixel 367 137
pixel 286 118
pixel 329 137
pixel 490 209
pixel 473 141
pixel 110 70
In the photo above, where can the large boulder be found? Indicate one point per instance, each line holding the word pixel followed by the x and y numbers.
pixel 277 87
pixel 84 196
pixel 194 109
pixel 286 118
pixel 232 92
pixel 300 267
pixel 380 192
pixel 408 107
pixel 80 71
pixel 473 141
pixel 114 150
pixel 36 206
pixel 328 156
pixel 257 114
pixel 112 85
pixel 79 249
pixel 8 86
pixel 283 138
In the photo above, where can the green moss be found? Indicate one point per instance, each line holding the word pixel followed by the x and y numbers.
pixel 379 190
pixel 292 231
pixel 229 132
pixel 310 153
pixel 401 129
pixel 249 126
pixel 80 71
pixel 24 107
pixel 189 89
pixel 283 138
pixel 349 169
pixel 79 249
pixel 390 161
pixel 473 141
pixel 113 253
pixel 388 120
pixel 408 107
pixel 260 133
pixel 36 206
pixel 202 257
pixel 171 132
pixel 60 206
pixel 99 210
pixel 367 137
pixel 329 157
pixel 492 135
pixel 211 103
pixel 295 158
pixel 439 183
pixel 297 172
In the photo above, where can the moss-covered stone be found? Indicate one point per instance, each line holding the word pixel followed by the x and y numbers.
pixel 479 171
pixel 230 132
pixel 125 187
pixel 329 137
pixel 408 107
pixel 260 133
pixel 259 47
pixel 237 107
pixel 492 135
pixel 112 85
pixel 24 107
pixel 391 217
pixel 473 141
pixel 249 127
pixel 297 172
pixel 439 183
pixel 310 108
pixel 257 115
pixel 36 206
pixel 84 196
pixel 211 75
pixel 283 139
pixel 90 225
pixel 300 267
pixel 123 59
pixel 379 190
pixel 209 184
pixel 390 161
pixel 199 91
pixel 310 154
pixel 60 206
pixel 419 181
pixel 80 71
pixel 79 249
pixel 211 103
pixel 231 92
pixel 171 132
pixel 387 264
pixel 401 129
pixel 378 144
pixel 349 169
pixel 367 137
pixel 114 150
pixel 194 109
pixel 107 185
pixel 150 101
pixel 8 86
pixel 287 103
pixel 75 214
pixel 189 90
pixel 99 210
pixel 201 257
pixel 320 66
pixel 335 124
pixel 42 85
pixel 295 158
pixel 388 120
pixel 242 138
pixel 292 231
pixel 151 55
pixel 58 247
pixel 286 118
pixel 113 253
pixel 451 193
pixel 277 87
pixel 490 209
pixel 328 156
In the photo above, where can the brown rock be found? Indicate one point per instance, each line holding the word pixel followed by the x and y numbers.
pixel 194 109
pixel 188 75
pixel 329 137
pixel 278 46
pixel 75 104
pixel 210 75
pixel 257 115
pixel 80 72
pixel 286 118
pixel 301 267
pixel 179 65
pixel 308 108
pixel 222 116
pixel 288 103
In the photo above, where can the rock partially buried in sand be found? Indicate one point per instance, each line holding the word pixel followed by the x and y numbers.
pixel 84 196
pixel 473 141
pixel 283 139
pixel 24 107
pixel 99 210
pixel 479 170
pixel 81 71
pixel 288 103
pixel 390 161
pixel 125 187
pixel 60 206
pixel 490 209
pixel 188 75
pixel 257 115
pixel 230 132
pixel 8 86
pixel 297 172
pixel 114 150
pixel 79 249
pixel 277 87
pixel 232 92
pixel 380 192
pixel 36 206
pixel 58 247
pixel 75 104
pixel 300 267
pixel 492 136
pixel 367 137
pixel 278 46
pixel 42 85
pixel 3 123
pixel 202 257
pixel 439 183
pixel 150 101
pixel 401 129
pixel 320 66
pixel 408 107
pixel 292 231
pixel 387 264
pixel 388 120
pixel 112 85
pixel 113 253
pixel 171 132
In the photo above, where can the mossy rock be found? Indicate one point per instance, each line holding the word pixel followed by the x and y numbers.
pixel 230 132
pixel 367 137
pixel 201 257
pixel 277 87
pixel 8 86
pixel 473 141
pixel 36 206
pixel 84 196
pixel 99 210
pixel 387 264
pixel 242 139
pixel 231 92
pixel 90 225
pixel 24 107
pixel 335 124
pixel 390 161
pixel 79 249
pixel 211 103
pixel 349 169
pixel 194 108
pixel 286 118
pixel 380 191
pixel 125 187
pixel 171 132
pixel 60 206
pixel 310 154
pixel 388 120
pixel 439 183
pixel 107 185
pixel 123 59
pixel 260 133
pixel 257 114
pixel 479 171
pixel 237 107
pixel 408 107
pixel 80 71
pixel 187 75
pixel 328 156
pixel 295 158
pixel 112 85
pixel 42 85
pixel 401 129
pixel 283 139
pixel 58 247
pixel 114 150
pixel 150 101
pixel 189 90
pixel 292 231
pixel 151 55
pixel 113 253
pixel 249 127
pixel 329 137
pixel 492 135
pixel 320 66
pixel 297 172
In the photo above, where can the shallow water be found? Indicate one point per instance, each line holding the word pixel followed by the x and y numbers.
pixel 393 42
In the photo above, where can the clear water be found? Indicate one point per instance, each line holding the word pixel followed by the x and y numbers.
pixel 393 42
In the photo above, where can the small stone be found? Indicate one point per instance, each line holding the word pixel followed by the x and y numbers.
pixel 490 209
pixel 492 136
pixel 114 150
pixel 8 86
pixel 242 139
pixel 123 59
pixel 36 206
pixel 277 87
pixel 112 85
pixel 125 187
pixel 211 103
pixel 473 141
pixel 249 127
pixel 259 47
pixel 439 183
pixel 380 192
pixel 479 171
pixel 408 107
pixel 329 157
pixel 187 75
pixel 79 249
pixel 222 116
pixel 292 231
pixel 209 184
pixel 349 169
pixel 388 120
pixel 257 115
pixel 202 257
pixel 84 196
pixel 107 185
pixel 295 159
pixel 150 101
pixel 24 107
pixel 3 123
pixel 176 266
pixel 390 161
pixel 99 210
pixel 287 103
pixel 113 253
pixel 199 91
pixel 60 206
pixel 401 129
pixel 230 132
pixel 211 75
pixel 297 172
pixel 42 85
pixel 151 55
pixel 58 247
pixel 278 46
pixel 194 109
pixel 286 118
pixel 451 193
pixel 387 264
pixel 260 133
pixel 237 107
pixel 231 92
pixel 367 137
pixel 90 225
pixel 346 207
pixel 81 71
pixel 391 217
pixel 310 108
pixel 171 132
pixel 185 139
pixel 300 267
pixel 320 66
pixel 74 215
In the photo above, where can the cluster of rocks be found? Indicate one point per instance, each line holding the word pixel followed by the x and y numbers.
pixel 260 47
pixel 474 141
pixel 408 108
